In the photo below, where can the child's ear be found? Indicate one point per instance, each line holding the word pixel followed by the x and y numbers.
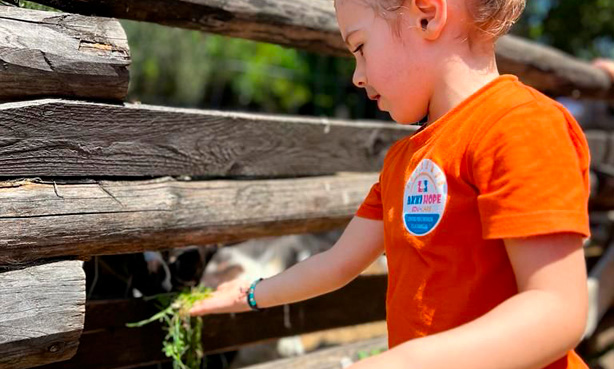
pixel 431 17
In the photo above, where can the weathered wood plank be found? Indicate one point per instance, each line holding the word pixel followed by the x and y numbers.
pixel 551 70
pixel 76 139
pixel 106 343
pixel 46 54
pixel 311 25
pixel 43 220
pixel 306 24
pixel 331 358
pixel 42 311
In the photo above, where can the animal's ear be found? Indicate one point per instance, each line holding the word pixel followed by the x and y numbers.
pixel 430 16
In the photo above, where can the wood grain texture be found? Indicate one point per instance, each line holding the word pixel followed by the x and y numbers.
pixel 306 24
pixel 107 343
pixel 60 138
pixel 552 71
pixel 331 358
pixel 45 220
pixel 47 54
pixel 311 25
pixel 42 310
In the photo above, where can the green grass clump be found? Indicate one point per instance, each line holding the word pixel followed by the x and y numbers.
pixel 363 354
pixel 183 339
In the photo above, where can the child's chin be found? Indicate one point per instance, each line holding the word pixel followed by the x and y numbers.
pixel 399 118
pixel 405 119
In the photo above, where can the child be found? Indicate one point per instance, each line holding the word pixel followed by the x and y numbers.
pixel 481 213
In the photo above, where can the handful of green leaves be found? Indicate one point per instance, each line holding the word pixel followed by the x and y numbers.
pixel 183 339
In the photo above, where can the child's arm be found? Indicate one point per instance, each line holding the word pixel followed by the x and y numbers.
pixel 528 331
pixel 360 244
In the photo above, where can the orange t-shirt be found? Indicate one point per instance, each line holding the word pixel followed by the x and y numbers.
pixel 506 162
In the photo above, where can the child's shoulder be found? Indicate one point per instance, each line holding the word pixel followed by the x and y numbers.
pixel 525 112
pixel 529 122
pixel 518 98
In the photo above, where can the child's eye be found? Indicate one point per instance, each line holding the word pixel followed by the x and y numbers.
pixel 359 48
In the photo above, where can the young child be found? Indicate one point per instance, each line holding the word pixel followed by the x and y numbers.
pixel 481 213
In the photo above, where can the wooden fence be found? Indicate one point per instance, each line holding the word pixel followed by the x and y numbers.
pixel 77 175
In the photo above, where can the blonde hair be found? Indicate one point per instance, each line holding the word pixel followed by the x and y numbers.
pixel 493 18
pixel 496 17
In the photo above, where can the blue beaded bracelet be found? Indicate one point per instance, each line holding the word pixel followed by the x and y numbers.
pixel 251 301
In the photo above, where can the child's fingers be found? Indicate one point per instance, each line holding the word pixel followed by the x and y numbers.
pixel 220 302
pixel 211 305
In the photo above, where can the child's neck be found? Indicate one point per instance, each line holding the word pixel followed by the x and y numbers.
pixel 461 76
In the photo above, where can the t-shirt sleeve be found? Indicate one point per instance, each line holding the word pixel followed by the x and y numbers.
pixel 531 169
pixel 371 207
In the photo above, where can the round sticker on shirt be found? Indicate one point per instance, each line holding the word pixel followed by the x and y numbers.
pixel 425 197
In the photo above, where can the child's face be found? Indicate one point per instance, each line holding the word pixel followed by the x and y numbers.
pixel 394 69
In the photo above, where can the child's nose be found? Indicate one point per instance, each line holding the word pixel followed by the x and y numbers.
pixel 359 78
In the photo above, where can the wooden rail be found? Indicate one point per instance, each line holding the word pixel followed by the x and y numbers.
pixel 107 343
pixel 58 138
pixel 42 312
pixel 52 54
pixel 311 25
pixel 331 358
pixel 45 220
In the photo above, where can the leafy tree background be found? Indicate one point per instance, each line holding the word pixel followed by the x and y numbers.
pixel 177 67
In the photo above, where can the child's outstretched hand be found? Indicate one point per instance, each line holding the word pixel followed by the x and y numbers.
pixel 230 297
pixel 605 64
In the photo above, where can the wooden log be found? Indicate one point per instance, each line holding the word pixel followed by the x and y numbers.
pixel 311 25
pixel 331 358
pixel 42 311
pixel 107 343
pixel 306 24
pixel 551 70
pixel 46 54
pixel 45 220
pixel 77 139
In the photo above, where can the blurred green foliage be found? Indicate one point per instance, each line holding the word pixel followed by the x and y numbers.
pixel 188 68
pixel 584 28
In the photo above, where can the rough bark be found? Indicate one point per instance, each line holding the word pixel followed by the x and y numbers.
pixel 57 138
pixel 45 220
pixel 42 311
pixel 48 54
